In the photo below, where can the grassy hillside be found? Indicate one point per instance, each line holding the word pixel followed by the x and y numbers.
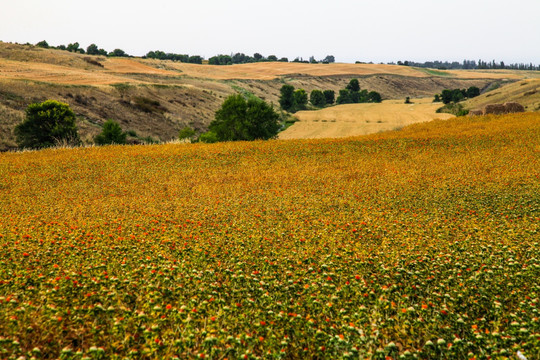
pixel 361 119
pixel 421 243
pixel 525 92
pixel 100 88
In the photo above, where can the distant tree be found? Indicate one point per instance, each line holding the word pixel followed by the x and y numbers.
pixel 61 47
pixel 457 95
pixel 240 58
pixel 73 47
pixel 43 44
pixel 238 119
pixel 329 59
pixel 317 98
pixel 286 99
pixel 446 96
pixel 472 92
pixel 186 133
pixel 92 49
pixel 354 96
pixel 195 59
pixel 257 57
pixel 47 124
pixel 312 60
pixel 118 53
pixel 407 100
pixel 272 58
pixel 329 96
pixel 284 59
pixel 437 98
pixel 344 97
pixel 374 97
pixel 353 85
pixel 220 60
pixel 300 99
pixel 110 134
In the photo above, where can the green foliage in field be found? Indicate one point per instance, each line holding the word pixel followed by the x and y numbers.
pixel 111 134
pixel 47 124
pixel 241 119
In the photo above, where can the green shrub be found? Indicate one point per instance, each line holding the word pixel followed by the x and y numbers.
pixel 111 134
pixel 241 119
pixel 186 133
pixel 329 96
pixel 47 124
pixel 209 137
pixel 317 98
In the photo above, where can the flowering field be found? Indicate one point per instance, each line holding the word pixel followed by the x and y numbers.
pixel 422 243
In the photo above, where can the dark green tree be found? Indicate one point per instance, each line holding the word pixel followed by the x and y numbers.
pixel 47 124
pixel 344 97
pixel 286 99
pixel 437 98
pixel 43 44
pixel 353 85
pixel 317 98
pixel 446 96
pixel 457 95
pixel 92 49
pixel 111 134
pixel 73 47
pixel 272 58
pixel 329 59
pixel 118 53
pixel 329 96
pixel 300 99
pixel 374 97
pixel 195 59
pixel 238 119
pixel 473 91
pixel 355 98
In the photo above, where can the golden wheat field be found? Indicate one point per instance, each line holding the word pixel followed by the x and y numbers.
pixel 55 66
pixel 416 244
pixel 361 119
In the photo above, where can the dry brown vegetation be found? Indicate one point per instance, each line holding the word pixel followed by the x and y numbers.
pixel 525 92
pixel 100 88
pixel 361 119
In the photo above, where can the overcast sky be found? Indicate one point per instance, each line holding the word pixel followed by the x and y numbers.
pixel 364 30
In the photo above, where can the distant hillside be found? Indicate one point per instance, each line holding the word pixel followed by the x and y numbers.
pixel 157 98
pixel 525 92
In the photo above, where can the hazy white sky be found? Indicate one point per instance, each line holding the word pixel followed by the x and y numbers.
pixel 365 30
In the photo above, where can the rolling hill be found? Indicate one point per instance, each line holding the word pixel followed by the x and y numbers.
pixel 156 99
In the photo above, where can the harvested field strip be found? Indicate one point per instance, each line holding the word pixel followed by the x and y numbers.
pixel 361 119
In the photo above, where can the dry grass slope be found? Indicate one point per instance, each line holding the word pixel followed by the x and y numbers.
pixel 361 119
pixel 525 92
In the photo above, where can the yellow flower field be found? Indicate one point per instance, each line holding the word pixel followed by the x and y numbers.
pixel 422 243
